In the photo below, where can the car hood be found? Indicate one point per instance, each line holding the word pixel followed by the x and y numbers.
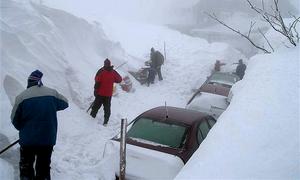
pixel 142 163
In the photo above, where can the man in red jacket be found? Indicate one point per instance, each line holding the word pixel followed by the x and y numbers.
pixel 103 89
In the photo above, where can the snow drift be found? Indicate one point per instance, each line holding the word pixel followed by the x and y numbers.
pixel 258 135
pixel 69 50
pixel 32 35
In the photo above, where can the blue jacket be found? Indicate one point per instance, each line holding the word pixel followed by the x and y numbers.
pixel 34 115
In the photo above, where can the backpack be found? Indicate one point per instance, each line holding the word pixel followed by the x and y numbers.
pixel 160 58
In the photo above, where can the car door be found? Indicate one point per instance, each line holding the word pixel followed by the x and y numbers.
pixel 204 128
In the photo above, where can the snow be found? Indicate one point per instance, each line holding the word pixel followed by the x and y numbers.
pixel 159 165
pixel 212 104
pixel 6 170
pixel 256 137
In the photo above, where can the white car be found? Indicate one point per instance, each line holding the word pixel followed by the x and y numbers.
pixel 212 104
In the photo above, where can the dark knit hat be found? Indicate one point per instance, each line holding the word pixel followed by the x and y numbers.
pixel 35 78
pixel 107 63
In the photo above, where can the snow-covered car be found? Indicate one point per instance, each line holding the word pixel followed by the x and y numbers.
pixel 212 104
pixel 214 89
pixel 212 96
pixel 224 79
pixel 161 140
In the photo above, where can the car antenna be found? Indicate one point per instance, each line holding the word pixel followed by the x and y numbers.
pixel 167 114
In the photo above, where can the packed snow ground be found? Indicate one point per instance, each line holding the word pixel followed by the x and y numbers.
pixel 69 56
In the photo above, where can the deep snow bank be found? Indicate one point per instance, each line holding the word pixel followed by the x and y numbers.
pixel 69 51
pixel 258 135
pixel 33 36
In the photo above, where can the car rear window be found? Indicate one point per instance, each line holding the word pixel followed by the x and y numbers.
pixel 171 135
pixel 223 78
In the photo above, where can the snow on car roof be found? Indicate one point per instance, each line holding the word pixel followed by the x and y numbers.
pixel 215 89
pixel 175 114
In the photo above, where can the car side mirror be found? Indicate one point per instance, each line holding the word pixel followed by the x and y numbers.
pixel 227 101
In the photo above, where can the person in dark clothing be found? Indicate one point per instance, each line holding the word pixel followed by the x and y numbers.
pixel 218 65
pixel 151 74
pixel 34 115
pixel 240 69
pixel 157 60
pixel 103 89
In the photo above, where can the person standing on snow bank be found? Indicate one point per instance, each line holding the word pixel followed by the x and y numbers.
pixel 240 69
pixel 103 89
pixel 218 65
pixel 34 115
pixel 157 60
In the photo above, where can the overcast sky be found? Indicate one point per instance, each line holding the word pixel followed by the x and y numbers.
pixel 160 11
pixel 154 11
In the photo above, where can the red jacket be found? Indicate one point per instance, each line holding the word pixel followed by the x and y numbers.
pixel 105 79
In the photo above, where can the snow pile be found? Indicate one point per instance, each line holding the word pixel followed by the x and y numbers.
pixel 6 170
pixel 69 51
pixel 258 135
pixel 32 36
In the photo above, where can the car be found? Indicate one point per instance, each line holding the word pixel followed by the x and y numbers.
pixel 161 140
pixel 224 79
pixel 212 104
pixel 214 89
pixel 212 96
pixel 210 88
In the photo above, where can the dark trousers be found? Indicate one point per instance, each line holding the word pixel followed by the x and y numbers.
pixel 105 100
pixel 41 155
pixel 158 70
pixel 151 76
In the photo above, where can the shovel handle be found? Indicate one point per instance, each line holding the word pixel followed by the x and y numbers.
pixel 9 146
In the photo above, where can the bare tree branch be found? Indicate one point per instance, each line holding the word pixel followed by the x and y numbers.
pixel 294 23
pixel 250 29
pixel 238 32
pixel 266 16
pixel 275 19
pixel 263 4
pixel 266 39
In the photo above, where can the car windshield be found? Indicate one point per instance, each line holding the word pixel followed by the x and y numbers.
pixel 171 135
pixel 223 78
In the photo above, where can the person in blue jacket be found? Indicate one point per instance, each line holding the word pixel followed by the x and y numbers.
pixel 34 115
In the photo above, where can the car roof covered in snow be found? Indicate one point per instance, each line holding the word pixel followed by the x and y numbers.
pixel 215 89
pixel 174 114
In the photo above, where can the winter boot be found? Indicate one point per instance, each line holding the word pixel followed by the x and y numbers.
pixel 105 121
